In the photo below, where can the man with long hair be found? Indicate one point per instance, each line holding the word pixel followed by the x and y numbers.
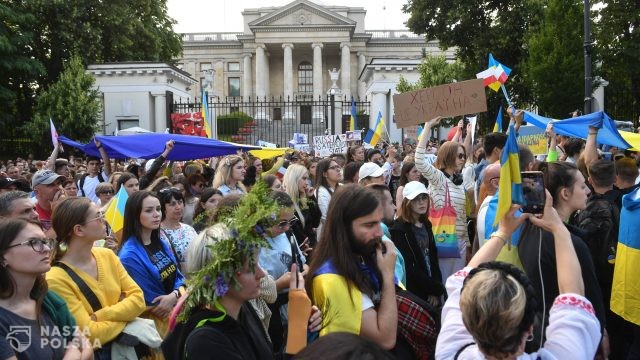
pixel 352 272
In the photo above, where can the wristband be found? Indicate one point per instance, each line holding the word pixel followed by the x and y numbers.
pixel 499 235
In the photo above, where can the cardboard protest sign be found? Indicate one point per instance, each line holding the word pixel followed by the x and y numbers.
pixel 460 98
pixel 534 137
pixel 354 135
pixel 326 145
pixel 266 144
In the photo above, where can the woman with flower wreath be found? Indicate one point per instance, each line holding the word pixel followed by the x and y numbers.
pixel 216 320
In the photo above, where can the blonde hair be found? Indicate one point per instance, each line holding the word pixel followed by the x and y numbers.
pixel 493 306
pixel 198 254
pixel 223 172
pixel 293 174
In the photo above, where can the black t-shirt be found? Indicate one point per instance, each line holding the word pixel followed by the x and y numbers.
pixel 163 263
pixel 394 183
pixel 26 339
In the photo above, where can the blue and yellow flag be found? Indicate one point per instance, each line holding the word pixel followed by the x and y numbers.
pixel 115 212
pixel 354 115
pixel 205 114
pixel 373 136
pixel 625 292
pixel 497 127
pixel 510 188
pixel 419 132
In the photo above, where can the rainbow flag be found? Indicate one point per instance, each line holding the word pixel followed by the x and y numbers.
pixel 205 114
pixel 373 136
pixel 354 116
pixel 510 188
pixel 115 212
pixel 497 127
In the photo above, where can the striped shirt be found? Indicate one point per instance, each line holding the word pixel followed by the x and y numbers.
pixel 436 190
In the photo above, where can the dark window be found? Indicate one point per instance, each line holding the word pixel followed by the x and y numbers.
pixel 305 114
pixel 277 113
pixel 305 78
pixel 234 86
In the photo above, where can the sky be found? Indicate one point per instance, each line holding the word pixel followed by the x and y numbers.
pixel 225 15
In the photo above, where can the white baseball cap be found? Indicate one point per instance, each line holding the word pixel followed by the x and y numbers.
pixel 369 169
pixel 413 189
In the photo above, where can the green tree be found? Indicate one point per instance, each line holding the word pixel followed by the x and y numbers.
pixel 433 70
pixel 71 102
pixel 18 69
pixel 477 27
pixel 555 67
pixel 618 44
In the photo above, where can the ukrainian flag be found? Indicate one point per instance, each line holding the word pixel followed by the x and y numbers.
pixel 373 136
pixel 625 292
pixel 419 132
pixel 510 188
pixel 354 115
pixel 115 212
pixel 205 114
pixel 497 127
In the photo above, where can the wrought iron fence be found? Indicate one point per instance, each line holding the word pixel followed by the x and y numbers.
pixel 275 120
pixel 621 104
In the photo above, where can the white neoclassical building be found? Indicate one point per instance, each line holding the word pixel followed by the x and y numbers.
pixel 289 52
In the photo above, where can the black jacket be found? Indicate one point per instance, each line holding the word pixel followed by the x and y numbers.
pixel 227 339
pixel 312 215
pixel 528 252
pixel 418 280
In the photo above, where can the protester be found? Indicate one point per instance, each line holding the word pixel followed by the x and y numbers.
pixel 352 273
pixel 355 153
pixel 328 177
pixel 412 235
pixel 152 168
pixel 229 175
pixel 296 185
pixel 130 183
pixel 272 182
pixel 16 205
pixel 491 306
pixel 70 188
pixel 209 200
pixel 445 181
pixel 370 173
pixel 408 173
pixel 99 292
pixel 26 302
pixel 94 176
pixel 311 165
pixel 47 187
pixel 104 192
pixel 175 233
pixel 350 172
pixel 148 260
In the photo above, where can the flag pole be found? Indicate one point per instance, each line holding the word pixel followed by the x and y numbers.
pixel 506 95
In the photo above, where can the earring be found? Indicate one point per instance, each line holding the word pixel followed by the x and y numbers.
pixel 530 338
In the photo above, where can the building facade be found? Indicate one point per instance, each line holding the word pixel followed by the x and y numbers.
pixel 289 52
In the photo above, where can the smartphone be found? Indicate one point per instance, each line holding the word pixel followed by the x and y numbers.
pixel 533 190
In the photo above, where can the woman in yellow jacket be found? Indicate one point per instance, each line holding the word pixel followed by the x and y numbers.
pixel 78 223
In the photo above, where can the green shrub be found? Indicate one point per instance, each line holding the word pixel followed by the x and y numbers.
pixel 230 123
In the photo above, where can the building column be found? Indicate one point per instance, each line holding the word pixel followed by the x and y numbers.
pixel 379 104
pixel 260 70
pixel 160 113
pixel 345 70
pixel 267 84
pixel 288 81
pixel 318 113
pixel 362 61
pixel 247 80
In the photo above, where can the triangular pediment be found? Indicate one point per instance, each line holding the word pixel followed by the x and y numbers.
pixel 302 13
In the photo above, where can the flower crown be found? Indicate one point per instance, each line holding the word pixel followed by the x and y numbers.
pixel 245 227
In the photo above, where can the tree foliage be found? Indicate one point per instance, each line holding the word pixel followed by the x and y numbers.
pixel 554 69
pixel 41 36
pixel 477 27
pixel 617 34
pixel 71 102
pixel 18 69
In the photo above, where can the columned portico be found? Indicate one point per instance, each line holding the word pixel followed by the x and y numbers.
pixel 247 83
pixel 345 69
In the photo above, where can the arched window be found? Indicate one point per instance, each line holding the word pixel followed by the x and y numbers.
pixel 305 78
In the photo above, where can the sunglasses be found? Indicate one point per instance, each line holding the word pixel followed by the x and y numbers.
pixel 462 156
pixel 108 192
pixel 290 222
pixel 170 190
pixel 37 244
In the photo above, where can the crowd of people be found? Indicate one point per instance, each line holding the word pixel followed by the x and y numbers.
pixel 341 257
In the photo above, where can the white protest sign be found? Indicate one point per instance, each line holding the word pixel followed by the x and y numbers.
pixel 326 145
pixel 266 144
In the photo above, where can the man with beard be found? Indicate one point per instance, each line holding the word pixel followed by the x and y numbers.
pixel 352 271
pixel 388 214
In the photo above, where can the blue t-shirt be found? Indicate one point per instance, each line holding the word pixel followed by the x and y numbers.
pixel 277 260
